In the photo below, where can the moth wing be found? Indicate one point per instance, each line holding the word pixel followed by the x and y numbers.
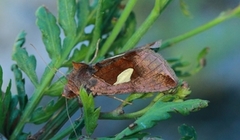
pixel 151 73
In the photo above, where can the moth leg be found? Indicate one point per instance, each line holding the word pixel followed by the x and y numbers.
pixel 121 100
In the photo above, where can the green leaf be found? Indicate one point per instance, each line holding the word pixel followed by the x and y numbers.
pixel 24 136
pixel 183 91
pixel 82 15
pixel 97 31
pixel 1 102
pixel 136 136
pixel 201 60
pixel 187 132
pixel 117 28
pixel 202 54
pixel 177 64
pixel 25 62
pixel 42 114
pixel 110 4
pixel 14 103
pixel 79 126
pixel 20 82
pixel 159 6
pixel 152 138
pixel 46 22
pixel 7 97
pixel 1 79
pixel 68 44
pixel 184 8
pixel 5 100
pixel 111 17
pixel 160 111
pixel 78 55
pixel 13 120
pixel 90 113
pixel 125 34
pixel 106 138
pixel 180 64
pixel 59 118
pixel 135 96
pixel 14 113
pixel 66 17
pixel 173 60
pixel 56 88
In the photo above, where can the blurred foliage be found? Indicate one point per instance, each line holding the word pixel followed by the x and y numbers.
pixel 187 132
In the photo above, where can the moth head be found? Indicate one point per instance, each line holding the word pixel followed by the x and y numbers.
pixel 68 93
pixel 79 77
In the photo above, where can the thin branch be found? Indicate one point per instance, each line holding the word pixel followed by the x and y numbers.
pixel 222 17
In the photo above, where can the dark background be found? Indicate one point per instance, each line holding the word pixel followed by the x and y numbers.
pixel 218 82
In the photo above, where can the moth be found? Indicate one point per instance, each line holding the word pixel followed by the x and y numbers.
pixel 139 70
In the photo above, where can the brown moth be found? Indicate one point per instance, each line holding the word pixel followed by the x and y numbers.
pixel 138 70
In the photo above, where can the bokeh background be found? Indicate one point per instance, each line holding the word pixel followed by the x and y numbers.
pixel 218 82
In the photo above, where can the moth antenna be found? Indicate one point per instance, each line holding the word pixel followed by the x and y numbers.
pixel 56 70
pixel 111 96
pixel 96 52
pixel 69 117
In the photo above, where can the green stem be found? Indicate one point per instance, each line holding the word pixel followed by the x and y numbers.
pixel 121 21
pixel 157 9
pixel 222 17
pixel 113 116
pixel 63 134
pixel 45 82
pixel 96 32
pixel 81 32
pixel 32 104
pixel 58 120
pixel 39 92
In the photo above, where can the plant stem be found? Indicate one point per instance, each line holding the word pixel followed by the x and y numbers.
pixel 32 104
pixel 59 119
pixel 121 21
pixel 222 17
pixel 157 9
pixel 133 115
pixel 96 32
pixel 39 92
pixel 67 131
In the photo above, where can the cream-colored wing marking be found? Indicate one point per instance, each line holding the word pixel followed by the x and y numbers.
pixel 124 76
